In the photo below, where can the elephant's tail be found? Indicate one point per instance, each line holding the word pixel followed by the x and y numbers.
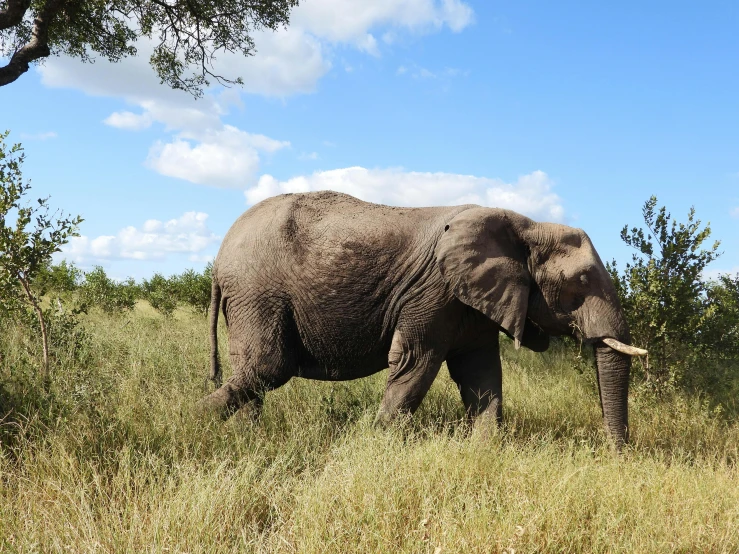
pixel 215 307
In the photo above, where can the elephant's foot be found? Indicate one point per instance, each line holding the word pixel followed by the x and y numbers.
pixel 387 418
pixel 213 405
pixel 225 401
pixel 382 420
pixel 489 422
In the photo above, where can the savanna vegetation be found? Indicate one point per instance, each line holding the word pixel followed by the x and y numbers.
pixel 106 452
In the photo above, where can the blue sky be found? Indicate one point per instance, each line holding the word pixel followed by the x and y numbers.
pixel 563 111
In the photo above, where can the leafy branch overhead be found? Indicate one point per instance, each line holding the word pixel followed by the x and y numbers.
pixel 188 34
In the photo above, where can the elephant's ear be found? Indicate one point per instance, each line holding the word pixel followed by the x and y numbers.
pixel 484 262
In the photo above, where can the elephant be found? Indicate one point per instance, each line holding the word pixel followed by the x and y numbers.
pixel 325 286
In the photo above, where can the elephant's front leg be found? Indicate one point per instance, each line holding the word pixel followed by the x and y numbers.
pixel 414 362
pixel 478 375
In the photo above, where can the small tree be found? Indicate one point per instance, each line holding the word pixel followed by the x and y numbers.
pixel 62 278
pixel 101 291
pixel 722 321
pixel 26 247
pixel 161 293
pixel 193 288
pixel 663 293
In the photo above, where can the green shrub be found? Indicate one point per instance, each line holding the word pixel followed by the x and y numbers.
pixel 722 319
pixel 688 324
pixel 99 290
pixel 61 278
pixel 190 288
pixel 161 293
pixel 193 288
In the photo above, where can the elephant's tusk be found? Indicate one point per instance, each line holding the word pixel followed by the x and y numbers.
pixel 625 348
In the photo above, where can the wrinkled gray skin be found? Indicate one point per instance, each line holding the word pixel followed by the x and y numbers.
pixel 325 286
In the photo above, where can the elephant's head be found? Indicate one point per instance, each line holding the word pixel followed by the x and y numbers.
pixel 537 280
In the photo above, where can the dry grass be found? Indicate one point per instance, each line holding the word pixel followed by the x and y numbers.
pixel 113 459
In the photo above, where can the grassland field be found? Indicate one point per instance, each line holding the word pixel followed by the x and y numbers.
pixel 114 458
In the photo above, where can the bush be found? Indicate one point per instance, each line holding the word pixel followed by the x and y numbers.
pixel 722 321
pixel 161 293
pixel 68 339
pixel 98 290
pixel 62 278
pixel 193 288
pixel 190 288
pixel 689 325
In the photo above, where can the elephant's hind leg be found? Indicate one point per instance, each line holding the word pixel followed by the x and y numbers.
pixel 262 360
pixel 247 385
pixel 414 363
pixel 478 375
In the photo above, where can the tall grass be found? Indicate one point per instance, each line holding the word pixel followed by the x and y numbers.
pixel 114 458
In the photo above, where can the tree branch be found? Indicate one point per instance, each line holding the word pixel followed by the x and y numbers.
pixel 13 14
pixel 37 47
pixel 40 316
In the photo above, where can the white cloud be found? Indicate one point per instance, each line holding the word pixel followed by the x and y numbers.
pixel 155 239
pixel 39 136
pixel 201 259
pixel 351 21
pixel 287 62
pixel 368 44
pixel 225 158
pixel 131 78
pixel 128 120
pixel 457 15
pixel 531 194
pixel 734 212
pixel 202 149
pixel 261 142
pixel 308 156
pixel 713 274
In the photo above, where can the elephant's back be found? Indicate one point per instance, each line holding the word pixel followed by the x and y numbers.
pixel 301 223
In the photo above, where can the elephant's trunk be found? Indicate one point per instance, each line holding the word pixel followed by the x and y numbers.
pixel 613 382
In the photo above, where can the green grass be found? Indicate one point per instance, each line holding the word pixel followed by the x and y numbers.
pixel 114 458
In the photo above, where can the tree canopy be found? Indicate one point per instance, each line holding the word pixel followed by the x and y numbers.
pixel 188 33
